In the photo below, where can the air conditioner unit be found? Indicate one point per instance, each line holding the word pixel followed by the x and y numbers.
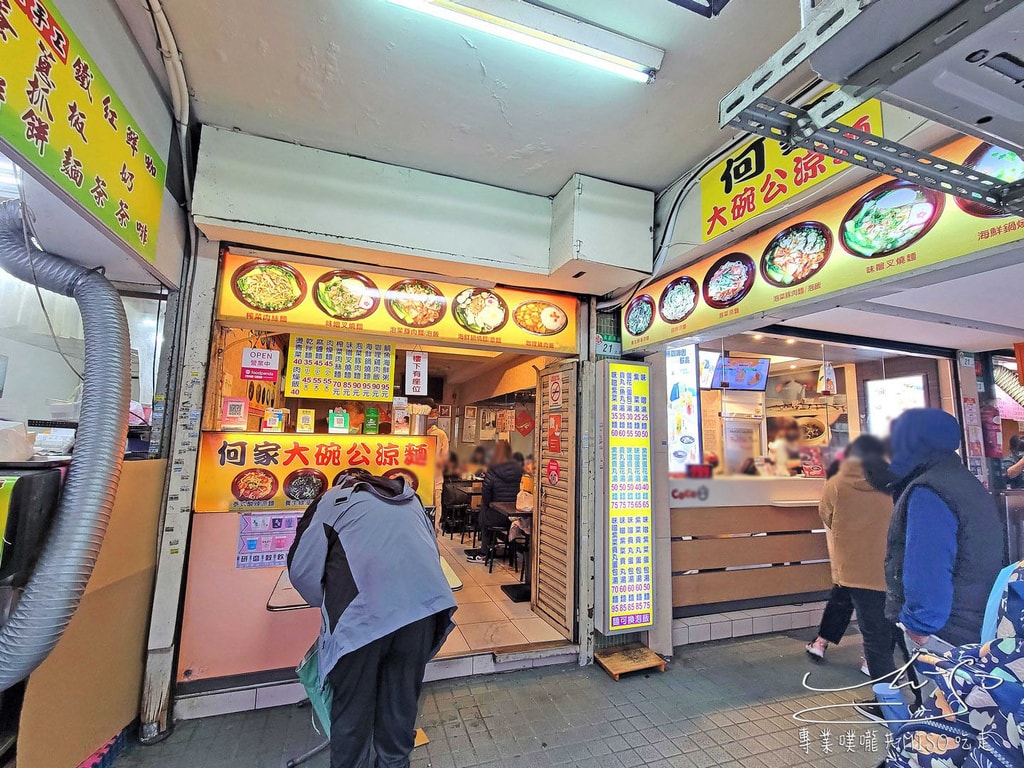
pixel 975 84
pixel 957 62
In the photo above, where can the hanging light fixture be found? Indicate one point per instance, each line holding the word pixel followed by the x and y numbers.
pixel 530 25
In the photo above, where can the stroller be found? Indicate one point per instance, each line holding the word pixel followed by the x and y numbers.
pixel 975 717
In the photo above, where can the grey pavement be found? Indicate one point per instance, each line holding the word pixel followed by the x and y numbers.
pixel 727 703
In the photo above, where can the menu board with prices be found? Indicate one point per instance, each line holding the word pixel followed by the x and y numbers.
pixel 264 538
pixel 629 526
pixel 245 472
pixel 343 369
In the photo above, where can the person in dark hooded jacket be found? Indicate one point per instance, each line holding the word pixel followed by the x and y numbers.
pixel 945 545
pixel 501 483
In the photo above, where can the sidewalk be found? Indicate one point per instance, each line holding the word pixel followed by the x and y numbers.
pixel 723 704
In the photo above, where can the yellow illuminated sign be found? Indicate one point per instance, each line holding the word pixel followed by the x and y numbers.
pixel 415 310
pixel 878 231
pixel 761 175
pixel 246 472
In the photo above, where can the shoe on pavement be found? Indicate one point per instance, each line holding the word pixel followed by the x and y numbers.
pixel 476 559
pixel 816 649
pixel 869 708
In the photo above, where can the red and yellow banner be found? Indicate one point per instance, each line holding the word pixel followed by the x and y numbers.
pixel 241 471
pixel 881 230
pixel 761 175
pixel 421 311
pixel 60 114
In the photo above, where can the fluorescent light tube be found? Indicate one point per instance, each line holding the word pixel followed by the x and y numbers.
pixel 545 30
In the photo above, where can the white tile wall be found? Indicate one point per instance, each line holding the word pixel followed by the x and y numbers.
pixel 258 697
pixel 279 695
pixel 756 621
pixel 211 704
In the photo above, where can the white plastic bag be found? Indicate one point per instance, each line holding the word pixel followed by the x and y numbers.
pixel 15 444
pixel 524 501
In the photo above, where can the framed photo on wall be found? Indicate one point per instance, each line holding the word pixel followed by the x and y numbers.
pixel 469 415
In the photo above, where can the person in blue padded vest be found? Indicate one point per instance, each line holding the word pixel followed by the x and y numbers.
pixel 945 545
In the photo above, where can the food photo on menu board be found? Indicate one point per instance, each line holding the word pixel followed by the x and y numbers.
pixel 307 296
pixel 876 230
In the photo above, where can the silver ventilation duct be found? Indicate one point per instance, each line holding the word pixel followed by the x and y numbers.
pixel 69 555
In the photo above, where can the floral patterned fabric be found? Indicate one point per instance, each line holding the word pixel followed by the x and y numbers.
pixel 974 717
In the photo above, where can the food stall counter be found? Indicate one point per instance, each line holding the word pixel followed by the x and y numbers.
pixel 744 542
pixel 744 491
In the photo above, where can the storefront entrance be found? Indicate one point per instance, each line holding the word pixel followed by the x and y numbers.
pixel 317 374
pixel 769 414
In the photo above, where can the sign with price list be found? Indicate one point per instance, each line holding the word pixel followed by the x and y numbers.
pixel 626 516
pixel 340 369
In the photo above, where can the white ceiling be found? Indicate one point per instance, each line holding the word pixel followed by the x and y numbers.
pixel 368 78
pixel 976 312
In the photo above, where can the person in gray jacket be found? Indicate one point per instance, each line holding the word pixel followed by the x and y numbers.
pixel 366 555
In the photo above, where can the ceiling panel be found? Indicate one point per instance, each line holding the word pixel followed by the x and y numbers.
pixel 372 79
pixel 878 326
pixel 989 297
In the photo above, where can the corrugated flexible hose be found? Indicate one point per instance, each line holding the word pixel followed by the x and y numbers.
pixel 55 588
pixel 1007 381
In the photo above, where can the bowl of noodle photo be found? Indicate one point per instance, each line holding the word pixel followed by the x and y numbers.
pixel 415 303
pixel 268 286
pixel 346 295
pixel 997 162
pixel 678 300
pixel 890 218
pixel 729 280
pixel 796 254
pixel 639 315
pixel 254 485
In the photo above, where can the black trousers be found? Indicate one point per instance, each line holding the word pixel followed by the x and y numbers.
pixel 376 693
pixel 838 612
pixel 490 518
pixel 881 636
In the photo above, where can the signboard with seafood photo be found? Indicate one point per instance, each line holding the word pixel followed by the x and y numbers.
pixel 881 230
pixel 256 473
pixel 316 297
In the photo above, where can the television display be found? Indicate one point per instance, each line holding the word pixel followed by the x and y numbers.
pixel 741 373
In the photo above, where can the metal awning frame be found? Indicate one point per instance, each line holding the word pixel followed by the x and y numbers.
pixel 748 107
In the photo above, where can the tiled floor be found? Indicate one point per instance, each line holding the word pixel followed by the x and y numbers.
pixel 486 618
pixel 728 703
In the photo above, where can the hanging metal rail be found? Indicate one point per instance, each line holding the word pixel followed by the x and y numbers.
pixel 748 107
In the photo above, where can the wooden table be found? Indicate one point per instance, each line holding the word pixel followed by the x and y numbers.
pixel 508 508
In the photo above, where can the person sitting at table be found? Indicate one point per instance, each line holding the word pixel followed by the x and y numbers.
pixel 501 483
pixel 477 461
pixel 452 468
